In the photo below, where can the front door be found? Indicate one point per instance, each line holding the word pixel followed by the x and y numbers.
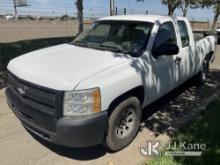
pixel 165 70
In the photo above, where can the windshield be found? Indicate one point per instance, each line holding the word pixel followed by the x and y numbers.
pixel 118 36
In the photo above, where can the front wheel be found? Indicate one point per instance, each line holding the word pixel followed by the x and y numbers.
pixel 123 124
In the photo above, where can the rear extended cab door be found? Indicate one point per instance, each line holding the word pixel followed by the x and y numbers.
pixel 188 63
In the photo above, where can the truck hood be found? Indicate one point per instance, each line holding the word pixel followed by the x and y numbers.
pixel 64 66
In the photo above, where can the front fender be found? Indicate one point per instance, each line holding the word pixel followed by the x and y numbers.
pixel 114 82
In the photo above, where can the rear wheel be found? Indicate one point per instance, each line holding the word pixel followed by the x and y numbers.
pixel 123 124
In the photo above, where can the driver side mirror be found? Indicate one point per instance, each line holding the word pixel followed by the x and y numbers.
pixel 166 49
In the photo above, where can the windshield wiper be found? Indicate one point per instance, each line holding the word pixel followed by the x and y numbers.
pixel 118 50
pixel 78 43
pixel 103 47
pixel 100 46
pixel 112 48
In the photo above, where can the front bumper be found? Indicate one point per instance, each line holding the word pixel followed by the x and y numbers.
pixel 75 132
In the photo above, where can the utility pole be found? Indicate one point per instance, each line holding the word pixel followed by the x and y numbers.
pixel 18 3
pixel 112 7
pixel 15 8
pixel 79 6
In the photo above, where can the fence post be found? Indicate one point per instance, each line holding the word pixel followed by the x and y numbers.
pixel 208 24
pixel 125 11
pixel 147 12
pixel 1 60
pixel 192 22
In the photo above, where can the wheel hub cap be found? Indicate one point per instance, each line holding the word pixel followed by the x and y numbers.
pixel 125 123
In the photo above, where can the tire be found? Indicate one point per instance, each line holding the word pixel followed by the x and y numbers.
pixel 123 124
pixel 201 77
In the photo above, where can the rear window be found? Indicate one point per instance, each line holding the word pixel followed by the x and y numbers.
pixel 183 33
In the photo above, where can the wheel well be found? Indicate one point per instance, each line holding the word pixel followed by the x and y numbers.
pixel 209 56
pixel 136 92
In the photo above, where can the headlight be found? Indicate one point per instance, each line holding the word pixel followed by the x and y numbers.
pixel 83 102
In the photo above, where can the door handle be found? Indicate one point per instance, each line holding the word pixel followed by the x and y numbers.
pixel 178 60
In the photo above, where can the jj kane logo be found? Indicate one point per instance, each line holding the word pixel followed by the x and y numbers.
pixel 153 148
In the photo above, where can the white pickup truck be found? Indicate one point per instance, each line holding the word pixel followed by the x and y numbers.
pixel 93 90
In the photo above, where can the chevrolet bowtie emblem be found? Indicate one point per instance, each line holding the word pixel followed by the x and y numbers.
pixel 21 91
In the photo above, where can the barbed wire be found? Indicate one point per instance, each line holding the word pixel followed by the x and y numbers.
pixel 59 8
pixel 59 19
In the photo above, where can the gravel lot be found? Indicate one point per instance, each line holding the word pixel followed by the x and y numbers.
pixel 11 31
pixel 20 148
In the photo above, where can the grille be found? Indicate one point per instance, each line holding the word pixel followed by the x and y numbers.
pixel 46 101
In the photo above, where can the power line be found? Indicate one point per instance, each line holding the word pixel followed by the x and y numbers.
pixel 59 8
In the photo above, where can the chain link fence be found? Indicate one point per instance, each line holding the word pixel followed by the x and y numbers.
pixel 1 61
pixel 9 51
pixel 40 20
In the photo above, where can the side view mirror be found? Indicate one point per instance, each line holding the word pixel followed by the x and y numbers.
pixel 166 49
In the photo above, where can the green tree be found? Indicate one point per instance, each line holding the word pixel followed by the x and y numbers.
pixel 204 3
pixel 215 4
pixel 185 6
pixel 216 9
pixel 172 5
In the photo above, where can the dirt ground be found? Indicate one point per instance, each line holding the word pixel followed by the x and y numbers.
pixel 20 148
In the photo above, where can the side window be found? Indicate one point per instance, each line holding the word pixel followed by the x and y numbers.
pixel 165 35
pixel 183 33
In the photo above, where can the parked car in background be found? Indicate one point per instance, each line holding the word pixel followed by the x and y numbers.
pixel 9 17
pixel 93 90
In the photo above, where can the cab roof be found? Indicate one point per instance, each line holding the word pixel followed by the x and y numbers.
pixel 142 18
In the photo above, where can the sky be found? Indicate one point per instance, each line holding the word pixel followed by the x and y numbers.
pixel 98 8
